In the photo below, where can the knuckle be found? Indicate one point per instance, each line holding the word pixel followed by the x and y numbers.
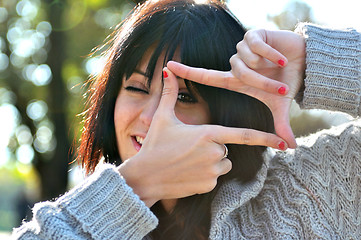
pixel 236 66
pixel 226 166
pixel 254 43
pixel 239 45
pixel 227 82
pixel 229 165
pixel 216 154
pixel 248 34
pixel 266 85
pixel 268 51
pixel 187 73
pixel 204 78
pixel 233 59
pixel 167 91
pixel 253 62
pixel 237 72
pixel 246 137
pixel 212 172
pixel 210 185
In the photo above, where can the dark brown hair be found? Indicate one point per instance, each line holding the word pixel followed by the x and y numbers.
pixel 206 36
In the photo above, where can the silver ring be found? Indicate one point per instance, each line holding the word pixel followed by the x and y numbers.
pixel 225 151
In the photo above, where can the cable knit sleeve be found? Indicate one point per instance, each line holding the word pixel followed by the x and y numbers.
pixel 102 207
pixel 328 163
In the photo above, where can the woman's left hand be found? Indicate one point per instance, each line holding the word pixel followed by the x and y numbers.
pixel 269 66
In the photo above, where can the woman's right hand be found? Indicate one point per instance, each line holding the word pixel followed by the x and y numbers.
pixel 179 160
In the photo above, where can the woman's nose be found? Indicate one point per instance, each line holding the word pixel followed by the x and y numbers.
pixel 146 116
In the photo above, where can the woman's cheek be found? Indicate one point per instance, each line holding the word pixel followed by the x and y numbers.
pixel 194 115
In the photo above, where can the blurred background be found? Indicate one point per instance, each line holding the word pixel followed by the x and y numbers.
pixel 44 61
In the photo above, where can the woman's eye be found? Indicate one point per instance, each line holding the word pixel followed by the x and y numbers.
pixel 135 89
pixel 186 98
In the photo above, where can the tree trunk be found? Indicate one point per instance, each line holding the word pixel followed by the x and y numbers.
pixel 54 173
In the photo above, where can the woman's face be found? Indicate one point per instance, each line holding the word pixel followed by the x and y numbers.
pixel 136 104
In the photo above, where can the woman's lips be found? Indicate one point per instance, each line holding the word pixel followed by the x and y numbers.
pixel 137 142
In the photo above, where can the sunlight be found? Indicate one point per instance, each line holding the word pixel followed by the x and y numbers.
pixel 200 1
pixel 7 128
pixel 254 14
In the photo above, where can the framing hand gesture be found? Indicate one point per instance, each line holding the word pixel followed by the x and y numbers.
pixel 178 160
pixel 269 66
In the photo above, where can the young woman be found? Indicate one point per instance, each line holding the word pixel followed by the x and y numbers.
pixel 176 178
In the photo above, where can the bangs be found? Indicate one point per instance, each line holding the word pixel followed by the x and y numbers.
pixel 163 42
pixel 206 44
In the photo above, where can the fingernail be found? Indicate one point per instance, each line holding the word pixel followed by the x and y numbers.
pixel 281 62
pixel 165 74
pixel 282 146
pixel 282 90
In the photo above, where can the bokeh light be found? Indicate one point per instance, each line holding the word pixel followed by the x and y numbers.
pixel 25 154
pixel 17 61
pixel 3 14
pixel 9 120
pixel 107 17
pixel 41 75
pixel 44 28
pixel 4 62
pixel 37 110
pixel 94 65
pixel 28 9
pixel 5 155
pixel 23 135
pixel 44 139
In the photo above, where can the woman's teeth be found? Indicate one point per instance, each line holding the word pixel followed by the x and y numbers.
pixel 139 139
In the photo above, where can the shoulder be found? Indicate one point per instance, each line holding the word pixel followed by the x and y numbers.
pixel 322 152
pixel 337 135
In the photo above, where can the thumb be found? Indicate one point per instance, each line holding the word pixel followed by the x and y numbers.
pixel 169 93
pixel 284 130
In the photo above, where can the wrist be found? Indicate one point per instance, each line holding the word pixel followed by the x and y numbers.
pixel 137 178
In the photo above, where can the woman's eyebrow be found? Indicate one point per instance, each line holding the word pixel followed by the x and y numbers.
pixel 145 75
pixel 140 72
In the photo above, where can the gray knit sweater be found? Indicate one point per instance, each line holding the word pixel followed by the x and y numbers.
pixel 312 192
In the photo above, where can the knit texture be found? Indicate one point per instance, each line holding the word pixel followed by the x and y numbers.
pixel 102 207
pixel 312 192
pixel 333 69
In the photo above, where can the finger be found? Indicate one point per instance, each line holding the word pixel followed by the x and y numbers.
pixel 251 59
pixel 257 44
pixel 234 81
pixel 241 71
pixel 170 91
pixel 228 135
pixel 284 130
pixel 207 77
pixel 224 166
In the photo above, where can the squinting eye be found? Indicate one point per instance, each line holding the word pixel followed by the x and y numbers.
pixel 186 98
pixel 134 89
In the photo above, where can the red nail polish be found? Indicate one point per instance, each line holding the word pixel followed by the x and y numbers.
pixel 165 74
pixel 282 90
pixel 282 146
pixel 281 62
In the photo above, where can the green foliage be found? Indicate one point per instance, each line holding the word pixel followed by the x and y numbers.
pixel 30 31
pixel 17 182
